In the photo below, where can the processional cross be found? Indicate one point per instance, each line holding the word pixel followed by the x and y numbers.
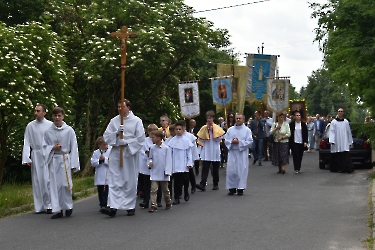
pixel 122 36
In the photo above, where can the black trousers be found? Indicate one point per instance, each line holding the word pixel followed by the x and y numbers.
pixel 297 152
pixel 193 182
pixel 103 195
pixel 215 172
pixel 196 166
pixel 180 179
pixel 341 162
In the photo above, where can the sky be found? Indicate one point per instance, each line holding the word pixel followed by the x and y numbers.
pixel 284 26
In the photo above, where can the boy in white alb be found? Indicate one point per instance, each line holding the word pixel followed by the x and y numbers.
pixel 144 171
pixel 160 164
pixel 99 161
pixel 60 150
pixel 181 161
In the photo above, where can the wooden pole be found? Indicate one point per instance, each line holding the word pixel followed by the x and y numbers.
pixel 122 36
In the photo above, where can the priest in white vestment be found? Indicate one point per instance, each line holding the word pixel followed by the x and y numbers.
pixel 340 138
pixel 32 155
pixel 238 139
pixel 122 180
pixel 60 150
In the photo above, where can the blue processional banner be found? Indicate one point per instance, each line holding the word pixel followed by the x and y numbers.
pixel 221 91
pixel 260 67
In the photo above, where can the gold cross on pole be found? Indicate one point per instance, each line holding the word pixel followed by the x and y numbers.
pixel 122 36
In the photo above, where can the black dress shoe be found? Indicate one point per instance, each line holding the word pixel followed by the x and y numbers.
pixel 109 211
pixel 232 191
pixel 240 192
pixel 186 197
pixel 197 173
pixel 58 215
pixel 201 188
pixel 49 211
pixel 68 212
pixel 143 204
pixel 215 188
pixel 176 202
pixel 131 212
pixel 193 190
pixel 254 161
pixel 260 164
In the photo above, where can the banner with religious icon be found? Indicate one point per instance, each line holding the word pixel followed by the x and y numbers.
pixel 260 67
pixel 278 94
pixel 221 90
pixel 189 99
pixel 239 80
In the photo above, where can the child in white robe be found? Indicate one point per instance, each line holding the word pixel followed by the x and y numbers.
pixel 99 161
pixel 160 164
pixel 181 161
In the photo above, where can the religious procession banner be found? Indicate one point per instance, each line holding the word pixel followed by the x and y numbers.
pixel 278 94
pixel 239 80
pixel 260 67
pixel 189 99
pixel 221 91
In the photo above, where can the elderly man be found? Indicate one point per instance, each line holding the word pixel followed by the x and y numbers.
pixel 340 137
pixel 238 139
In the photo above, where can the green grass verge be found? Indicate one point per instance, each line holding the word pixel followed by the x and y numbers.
pixel 18 198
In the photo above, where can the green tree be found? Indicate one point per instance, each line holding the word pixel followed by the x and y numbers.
pixel 347 39
pixel 169 41
pixel 324 96
pixel 32 70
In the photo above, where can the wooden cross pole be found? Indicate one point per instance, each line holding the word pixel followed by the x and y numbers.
pixel 122 36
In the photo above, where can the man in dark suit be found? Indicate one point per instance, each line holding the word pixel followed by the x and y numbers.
pixel 193 130
pixel 257 128
pixel 319 130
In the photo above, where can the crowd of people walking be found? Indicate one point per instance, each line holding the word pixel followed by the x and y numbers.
pixel 165 161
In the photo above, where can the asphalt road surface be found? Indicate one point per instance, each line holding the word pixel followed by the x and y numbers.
pixel 315 209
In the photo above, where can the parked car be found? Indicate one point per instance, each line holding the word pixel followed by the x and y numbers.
pixel 360 151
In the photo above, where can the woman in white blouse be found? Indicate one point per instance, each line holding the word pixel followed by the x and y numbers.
pixel 298 140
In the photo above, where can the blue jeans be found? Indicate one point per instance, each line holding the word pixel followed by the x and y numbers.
pixel 258 149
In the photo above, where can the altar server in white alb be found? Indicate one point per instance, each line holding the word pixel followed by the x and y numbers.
pixel 99 160
pixel 160 164
pixel 182 161
pixel 340 137
pixel 60 151
pixel 32 155
pixel 122 180
pixel 238 139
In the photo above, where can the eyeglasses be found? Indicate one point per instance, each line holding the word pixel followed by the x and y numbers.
pixel 238 118
pixel 341 111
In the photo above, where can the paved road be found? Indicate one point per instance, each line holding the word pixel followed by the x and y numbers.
pixel 313 210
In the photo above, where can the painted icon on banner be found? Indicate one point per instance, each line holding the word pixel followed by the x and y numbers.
pixel 189 95
pixel 222 91
pixel 278 90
